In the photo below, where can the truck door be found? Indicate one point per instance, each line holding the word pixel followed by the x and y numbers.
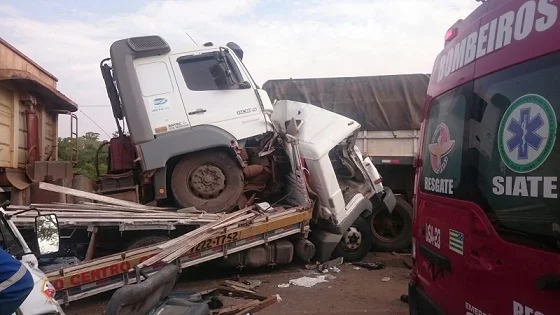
pixel 236 110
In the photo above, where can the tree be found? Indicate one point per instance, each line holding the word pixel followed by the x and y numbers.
pixel 88 144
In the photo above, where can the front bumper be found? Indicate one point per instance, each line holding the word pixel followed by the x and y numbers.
pixel 420 304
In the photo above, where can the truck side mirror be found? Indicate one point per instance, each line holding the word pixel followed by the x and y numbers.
pixel 48 235
pixel 225 71
pixel 220 73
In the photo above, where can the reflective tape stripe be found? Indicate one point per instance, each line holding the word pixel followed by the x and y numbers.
pixel 13 279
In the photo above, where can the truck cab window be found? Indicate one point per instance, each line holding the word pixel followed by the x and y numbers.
pixel 196 71
pixel 8 241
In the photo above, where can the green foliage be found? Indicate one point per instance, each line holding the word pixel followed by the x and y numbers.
pixel 88 145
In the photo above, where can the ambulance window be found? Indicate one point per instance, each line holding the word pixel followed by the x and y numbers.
pixel 512 160
pixel 441 173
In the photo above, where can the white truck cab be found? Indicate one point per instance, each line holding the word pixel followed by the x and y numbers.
pixel 41 299
pixel 181 107
pixel 347 184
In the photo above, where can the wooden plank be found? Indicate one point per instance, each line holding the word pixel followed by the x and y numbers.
pixel 84 194
pixel 260 306
pixel 170 248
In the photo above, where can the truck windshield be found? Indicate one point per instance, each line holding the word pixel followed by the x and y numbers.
pixel 8 240
pixel 493 142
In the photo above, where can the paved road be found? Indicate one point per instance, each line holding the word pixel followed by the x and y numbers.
pixel 351 292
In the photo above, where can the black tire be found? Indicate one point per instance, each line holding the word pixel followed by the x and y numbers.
pixel 146 241
pixel 392 232
pixel 362 226
pixel 220 195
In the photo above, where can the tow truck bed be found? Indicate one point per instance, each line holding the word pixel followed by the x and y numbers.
pixel 111 272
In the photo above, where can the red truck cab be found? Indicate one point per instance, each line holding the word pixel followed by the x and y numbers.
pixel 486 231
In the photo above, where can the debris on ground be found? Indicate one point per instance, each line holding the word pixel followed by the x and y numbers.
pixel 240 286
pixel 385 279
pixel 331 264
pixel 284 285
pixel 308 282
pixel 324 266
pixel 404 298
pixel 253 283
pixel 407 263
pixel 401 254
pixel 329 277
pixel 369 265
pixel 232 289
pixel 357 268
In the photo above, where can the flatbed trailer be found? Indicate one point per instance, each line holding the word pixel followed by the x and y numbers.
pixel 114 271
pixel 93 230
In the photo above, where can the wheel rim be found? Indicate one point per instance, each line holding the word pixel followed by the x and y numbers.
pixel 207 181
pixel 387 226
pixel 352 239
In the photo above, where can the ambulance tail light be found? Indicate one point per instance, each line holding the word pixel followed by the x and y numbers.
pixel 478 227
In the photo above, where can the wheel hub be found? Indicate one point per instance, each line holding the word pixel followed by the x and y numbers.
pixel 207 181
pixel 352 238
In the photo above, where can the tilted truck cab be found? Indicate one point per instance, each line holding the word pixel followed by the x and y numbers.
pixel 188 113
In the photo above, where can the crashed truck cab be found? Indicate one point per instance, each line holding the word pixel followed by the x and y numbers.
pixel 347 185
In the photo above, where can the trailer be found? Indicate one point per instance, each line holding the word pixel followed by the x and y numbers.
pixel 249 245
pixel 389 109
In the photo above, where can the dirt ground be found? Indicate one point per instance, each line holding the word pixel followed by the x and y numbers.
pixel 355 290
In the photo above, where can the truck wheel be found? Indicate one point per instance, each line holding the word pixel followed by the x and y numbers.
pixel 147 241
pixel 392 231
pixel 209 181
pixel 356 242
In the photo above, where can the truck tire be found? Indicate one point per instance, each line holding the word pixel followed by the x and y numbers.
pixel 147 241
pixel 392 231
pixel 209 181
pixel 356 242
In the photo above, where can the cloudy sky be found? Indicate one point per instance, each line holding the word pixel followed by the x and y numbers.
pixel 281 39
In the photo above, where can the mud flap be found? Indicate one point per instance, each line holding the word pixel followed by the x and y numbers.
pixel 389 199
pixel 325 243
